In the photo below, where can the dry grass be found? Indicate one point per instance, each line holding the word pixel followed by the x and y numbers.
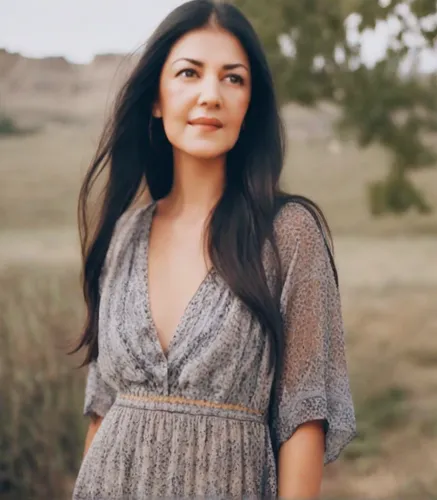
pixel 388 276
pixel 392 353
pixel 41 177
pixel 338 182
pixel 392 356
pixel 41 428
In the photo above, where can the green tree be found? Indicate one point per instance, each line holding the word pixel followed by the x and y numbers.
pixel 380 104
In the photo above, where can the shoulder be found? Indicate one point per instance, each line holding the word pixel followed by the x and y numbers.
pixel 126 229
pixel 129 222
pixel 302 234
pixel 299 222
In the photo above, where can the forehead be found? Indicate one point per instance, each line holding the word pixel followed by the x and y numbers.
pixel 210 45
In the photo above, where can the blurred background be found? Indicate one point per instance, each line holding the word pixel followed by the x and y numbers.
pixel 357 84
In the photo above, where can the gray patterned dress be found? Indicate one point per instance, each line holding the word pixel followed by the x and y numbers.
pixel 192 422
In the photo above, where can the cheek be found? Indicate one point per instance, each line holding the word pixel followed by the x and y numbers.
pixel 175 102
pixel 175 98
pixel 238 107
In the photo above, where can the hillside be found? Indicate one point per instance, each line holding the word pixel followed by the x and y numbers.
pixel 52 89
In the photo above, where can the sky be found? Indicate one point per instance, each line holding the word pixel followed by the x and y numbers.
pixel 79 29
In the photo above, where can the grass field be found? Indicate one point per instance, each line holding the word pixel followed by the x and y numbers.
pixel 41 175
pixel 388 273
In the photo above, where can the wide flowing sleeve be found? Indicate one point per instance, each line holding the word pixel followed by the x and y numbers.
pixel 314 382
pixel 99 396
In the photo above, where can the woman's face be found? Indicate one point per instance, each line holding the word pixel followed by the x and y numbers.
pixel 206 76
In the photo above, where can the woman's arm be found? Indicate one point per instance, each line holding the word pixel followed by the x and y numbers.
pixel 93 427
pixel 300 463
pixel 313 416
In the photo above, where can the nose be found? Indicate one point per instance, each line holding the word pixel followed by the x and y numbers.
pixel 210 95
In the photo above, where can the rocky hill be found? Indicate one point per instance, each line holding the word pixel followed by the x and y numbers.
pixel 53 86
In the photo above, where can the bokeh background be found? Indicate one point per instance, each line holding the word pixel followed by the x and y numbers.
pixel 356 83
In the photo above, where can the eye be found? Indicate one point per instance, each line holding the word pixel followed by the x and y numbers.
pixel 188 72
pixel 236 79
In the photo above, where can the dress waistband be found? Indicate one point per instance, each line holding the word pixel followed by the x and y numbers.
pixel 178 404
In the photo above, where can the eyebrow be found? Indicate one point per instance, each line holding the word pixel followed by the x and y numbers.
pixel 201 64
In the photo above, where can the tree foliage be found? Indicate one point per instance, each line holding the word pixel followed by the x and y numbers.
pixel 383 103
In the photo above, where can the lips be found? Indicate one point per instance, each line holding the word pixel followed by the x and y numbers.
pixel 212 122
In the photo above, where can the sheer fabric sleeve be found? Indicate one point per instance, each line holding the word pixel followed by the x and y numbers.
pixel 99 396
pixel 314 383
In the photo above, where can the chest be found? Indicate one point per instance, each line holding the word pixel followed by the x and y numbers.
pixel 176 268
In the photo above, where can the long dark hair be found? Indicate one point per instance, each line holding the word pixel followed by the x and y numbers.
pixel 242 221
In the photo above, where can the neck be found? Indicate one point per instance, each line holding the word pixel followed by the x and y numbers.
pixel 197 186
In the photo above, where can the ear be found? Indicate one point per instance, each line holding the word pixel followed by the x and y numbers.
pixel 156 110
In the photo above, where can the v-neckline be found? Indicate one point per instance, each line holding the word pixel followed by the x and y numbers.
pixel 148 310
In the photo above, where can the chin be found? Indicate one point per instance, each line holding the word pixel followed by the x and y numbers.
pixel 205 153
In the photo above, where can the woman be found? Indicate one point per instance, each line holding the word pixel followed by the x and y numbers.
pixel 218 366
